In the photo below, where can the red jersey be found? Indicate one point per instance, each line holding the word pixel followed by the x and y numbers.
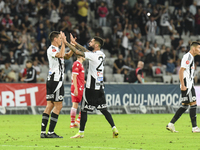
pixel 78 69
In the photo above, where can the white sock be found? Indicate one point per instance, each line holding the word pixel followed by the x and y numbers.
pixel 113 127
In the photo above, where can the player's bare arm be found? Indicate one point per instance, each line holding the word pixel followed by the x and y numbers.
pixel 80 47
pixel 77 52
pixel 68 55
pixel 61 54
pixel 183 87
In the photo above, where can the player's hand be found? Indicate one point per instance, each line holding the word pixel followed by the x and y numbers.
pixel 63 36
pixel 183 88
pixel 76 92
pixel 22 79
pixel 72 39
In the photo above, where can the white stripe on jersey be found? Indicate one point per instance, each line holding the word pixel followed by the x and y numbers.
pixel 96 68
pixel 56 65
pixel 187 62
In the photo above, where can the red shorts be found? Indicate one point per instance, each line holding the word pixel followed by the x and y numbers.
pixel 78 98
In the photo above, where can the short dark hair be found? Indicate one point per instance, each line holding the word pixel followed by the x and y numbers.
pixel 53 34
pixel 99 40
pixel 29 61
pixel 195 44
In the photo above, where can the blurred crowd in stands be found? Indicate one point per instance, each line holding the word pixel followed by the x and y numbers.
pixel 156 32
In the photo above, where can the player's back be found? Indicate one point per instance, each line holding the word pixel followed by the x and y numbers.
pixel 96 69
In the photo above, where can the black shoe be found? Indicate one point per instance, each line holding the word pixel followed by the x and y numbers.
pixel 43 135
pixel 53 135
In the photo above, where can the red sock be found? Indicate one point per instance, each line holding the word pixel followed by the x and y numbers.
pixel 79 117
pixel 73 115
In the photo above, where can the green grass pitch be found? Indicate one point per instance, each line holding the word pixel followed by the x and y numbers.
pixel 136 131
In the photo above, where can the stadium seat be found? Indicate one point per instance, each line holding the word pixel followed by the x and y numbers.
pixel 111 61
pixel 108 70
pixel 44 69
pixel 106 53
pixel 167 79
pixel 109 78
pixel 175 79
pixel 119 77
pixel 159 39
pixel 162 69
pixel 106 31
pixel 15 67
pixel 44 76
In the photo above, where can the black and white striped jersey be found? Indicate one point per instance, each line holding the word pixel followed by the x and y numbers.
pixel 188 75
pixel 95 71
pixel 56 65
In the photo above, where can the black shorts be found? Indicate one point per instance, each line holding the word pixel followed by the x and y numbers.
pixel 188 98
pixel 93 99
pixel 55 91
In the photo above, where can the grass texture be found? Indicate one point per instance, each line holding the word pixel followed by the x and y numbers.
pixel 136 132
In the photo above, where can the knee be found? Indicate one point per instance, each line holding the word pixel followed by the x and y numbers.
pixel 185 106
pixel 58 106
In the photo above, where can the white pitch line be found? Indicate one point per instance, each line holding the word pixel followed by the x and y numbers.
pixel 69 147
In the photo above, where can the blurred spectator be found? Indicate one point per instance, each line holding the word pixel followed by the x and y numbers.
pixel 31 7
pixel 174 42
pixel 38 70
pixel 124 44
pixel 162 50
pixel 11 58
pixel 19 46
pixel 158 57
pixel 137 52
pixel 31 73
pixel 54 13
pixel 143 21
pixel 136 30
pixel 126 75
pixel 2 3
pixel 193 8
pixel 129 62
pixel 178 4
pixel 137 76
pixel 179 22
pixel 164 23
pixel 6 8
pixel 118 65
pixel 182 52
pixel 156 14
pixel 151 61
pixel 83 33
pixel 16 23
pixel 155 47
pixel 10 74
pixel 167 55
pixel 108 45
pixel 170 67
pixel 129 33
pixel 178 66
pixel 171 28
pixel 7 23
pixel 102 12
pixel 26 24
pixel 2 75
pixel 150 29
pixel 4 38
pixel 197 22
pixel 41 33
pixel 188 17
pixel 82 10
pixel 147 48
pixel 121 9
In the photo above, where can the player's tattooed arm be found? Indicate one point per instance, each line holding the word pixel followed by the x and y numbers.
pixel 76 51
pixel 80 47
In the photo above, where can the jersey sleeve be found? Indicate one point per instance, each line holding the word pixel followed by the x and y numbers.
pixel 185 62
pixel 52 52
pixel 139 72
pixel 75 68
pixel 89 55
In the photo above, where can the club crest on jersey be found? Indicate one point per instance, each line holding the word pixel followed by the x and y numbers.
pixel 53 50
pixel 187 62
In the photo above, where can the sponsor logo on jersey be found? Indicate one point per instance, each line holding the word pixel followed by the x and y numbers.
pixel 187 62
pixel 53 50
